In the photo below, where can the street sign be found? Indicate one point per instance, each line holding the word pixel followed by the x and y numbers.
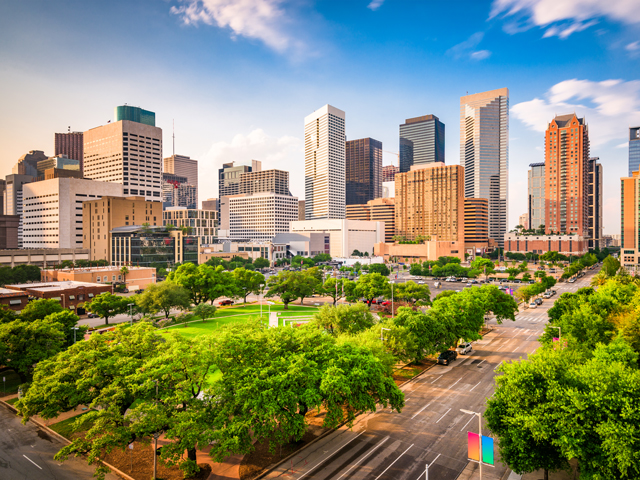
pixel 474 448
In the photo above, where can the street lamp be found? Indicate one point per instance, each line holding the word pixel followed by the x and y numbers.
pixel 392 284
pixel 130 305
pixel 479 435
pixel 74 333
pixel 381 333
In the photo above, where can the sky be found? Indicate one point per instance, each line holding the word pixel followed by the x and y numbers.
pixel 237 77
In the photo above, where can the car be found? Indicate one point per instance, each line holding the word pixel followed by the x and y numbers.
pixel 464 348
pixel 474 281
pixel 126 290
pixel 538 301
pixel 468 284
pixel 533 305
pixel 92 315
pixel 386 303
pixel 547 294
pixel 446 357
pixel 436 284
pixel 572 280
pixel 225 302
pixel 553 292
pixel 140 290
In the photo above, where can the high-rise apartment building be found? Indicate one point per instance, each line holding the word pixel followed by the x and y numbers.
pixel 377 210
pixel 594 203
pixel 363 170
pixel 275 181
pixel 52 210
pixel 430 202
pixel 536 198
pixel 102 215
pixel 630 222
pixel 229 177
pixel 70 144
pixel 185 167
pixel 484 153
pixel 389 173
pixel 324 164
pixel 634 150
pixel 421 141
pixel 128 152
pixel 476 222
pixel 567 175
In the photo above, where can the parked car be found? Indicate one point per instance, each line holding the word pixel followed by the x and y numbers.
pixel 547 294
pixel 464 348
pixel 140 290
pixel 553 292
pixel 468 284
pixel 386 303
pixel 533 304
pixel 446 357
pixel 126 290
pixel 572 280
pixel 474 281
pixel 538 301
pixel 92 315
pixel 225 302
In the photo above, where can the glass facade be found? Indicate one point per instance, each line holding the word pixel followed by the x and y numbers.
pixel 421 141
pixel 135 114
pixel 536 202
pixel 144 247
pixel 634 150
pixel 363 170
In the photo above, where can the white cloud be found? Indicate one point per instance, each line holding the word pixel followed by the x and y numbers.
pixel 634 46
pixel 263 20
pixel 284 153
pixel 375 4
pixel 468 48
pixel 609 107
pixel 563 17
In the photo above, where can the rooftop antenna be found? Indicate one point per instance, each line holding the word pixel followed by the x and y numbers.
pixel 69 129
pixel 174 137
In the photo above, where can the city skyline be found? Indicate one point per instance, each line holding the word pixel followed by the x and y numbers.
pixel 238 91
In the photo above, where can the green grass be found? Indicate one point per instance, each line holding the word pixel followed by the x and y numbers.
pixel 65 427
pixel 12 401
pixel 12 381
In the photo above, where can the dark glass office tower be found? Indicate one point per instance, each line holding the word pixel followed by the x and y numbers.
pixel 363 170
pixel 421 141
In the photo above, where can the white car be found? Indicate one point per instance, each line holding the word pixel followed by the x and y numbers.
pixel 464 348
pixel 533 305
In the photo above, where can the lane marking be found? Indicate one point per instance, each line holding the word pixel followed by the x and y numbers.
pixel 327 458
pixel 445 414
pixel 420 411
pixel 497 366
pixel 434 461
pixel 454 384
pixel 529 337
pixel 365 457
pixel 385 470
pixel 32 462
pixel 474 387
pixel 482 362
pixel 437 379
pixel 465 425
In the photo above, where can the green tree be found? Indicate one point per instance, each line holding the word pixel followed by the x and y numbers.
pixel 610 266
pixel 261 262
pixel 285 285
pixel 204 282
pixel 480 263
pixel 335 288
pixel 204 311
pixel 247 282
pixel 107 305
pixel 370 286
pixel 124 271
pixel 69 321
pixel 322 257
pixel 380 268
pixel 416 269
pixel 7 315
pixel 349 319
pixel 25 343
pixel 412 292
pixel 39 309
pixel 163 297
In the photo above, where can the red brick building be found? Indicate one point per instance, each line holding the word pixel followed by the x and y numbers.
pixel 71 295
pixel 564 244
pixel 13 300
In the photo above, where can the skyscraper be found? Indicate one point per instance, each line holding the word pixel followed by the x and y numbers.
pixel 324 164
pixel 183 166
pixel 567 175
pixel 126 152
pixel 135 114
pixel 229 177
pixel 484 153
pixel 634 150
pixel 594 203
pixel 70 144
pixel 630 222
pixel 421 141
pixel 536 199
pixel 363 170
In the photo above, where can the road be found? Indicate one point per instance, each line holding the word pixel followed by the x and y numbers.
pixel 431 428
pixel 26 453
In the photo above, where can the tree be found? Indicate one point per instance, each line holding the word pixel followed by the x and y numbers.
pixel 247 282
pixel 370 286
pixel 69 321
pixel 335 288
pixel 261 262
pixel 416 269
pixel 39 309
pixel 204 282
pixel 204 311
pixel 480 263
pixel 309 282
pixel 380 268
pixel 285 286
pixel 124 271
pixel 322 257
pixel 349 319
pixel 107 305
pixel 25 343
pixel 163 297
pixel 413 292
pixel 7 315
pixel 610 266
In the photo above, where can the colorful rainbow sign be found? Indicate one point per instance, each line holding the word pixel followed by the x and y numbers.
pixel 474 448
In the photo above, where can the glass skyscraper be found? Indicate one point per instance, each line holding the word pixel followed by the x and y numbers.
pixel 484 153
pixel 535 207
pixel 421 141
pixel 634 150
pixel 363 170
pixel 135 114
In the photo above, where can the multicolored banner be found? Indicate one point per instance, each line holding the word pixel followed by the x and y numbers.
pixel 474 448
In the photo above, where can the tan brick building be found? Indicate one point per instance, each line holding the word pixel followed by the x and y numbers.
pixel 379 210
pixel 101 216
pixel 137 277
pixel 429 201
pixel 476 223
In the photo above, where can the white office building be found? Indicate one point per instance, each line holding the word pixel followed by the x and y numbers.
pixel 324 164
pixel 52 210
pixel 345 236
pixel 260 216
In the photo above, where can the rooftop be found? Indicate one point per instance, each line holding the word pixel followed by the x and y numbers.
pixel 562 120
pixel 109 268
pixel 53 286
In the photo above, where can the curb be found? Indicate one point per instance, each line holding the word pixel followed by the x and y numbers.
pixel 66 441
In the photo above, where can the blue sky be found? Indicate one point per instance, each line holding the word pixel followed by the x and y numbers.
pixel 238 76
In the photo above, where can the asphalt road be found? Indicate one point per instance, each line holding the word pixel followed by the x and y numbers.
pixel 26 453
pixel 431 428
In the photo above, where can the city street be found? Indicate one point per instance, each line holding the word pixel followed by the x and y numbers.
pixel 26 452
pixel 431 428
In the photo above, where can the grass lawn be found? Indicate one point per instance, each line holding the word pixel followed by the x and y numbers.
pixel 65 427
pixel 12 382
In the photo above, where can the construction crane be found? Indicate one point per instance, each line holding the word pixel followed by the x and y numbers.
pixel 394 153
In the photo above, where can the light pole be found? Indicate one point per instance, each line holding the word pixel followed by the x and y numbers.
pixel 382 332
pixel 156 435
pixel 479 436
pixel 261 298
pixel 74 333
pixel 130 305
pixel 392 284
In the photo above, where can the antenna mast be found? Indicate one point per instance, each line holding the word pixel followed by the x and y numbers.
pixel 174 137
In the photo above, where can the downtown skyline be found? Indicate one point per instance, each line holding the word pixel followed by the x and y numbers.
pixel 239 84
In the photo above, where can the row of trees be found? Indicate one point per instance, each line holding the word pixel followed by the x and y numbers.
pixel 19 274
pixel 529 291
pixel 577 396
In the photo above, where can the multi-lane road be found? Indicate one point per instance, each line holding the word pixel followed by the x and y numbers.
pixel 431 428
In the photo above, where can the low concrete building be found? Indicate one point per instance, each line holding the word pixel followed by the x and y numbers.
pixel 563 244
pixel 206 254
pixel 13 300
pixel 71 295
pixel 421 252
pixel 345 235
pixel 42 257
pixel 137 277
pixel 252 250
pixel 288 245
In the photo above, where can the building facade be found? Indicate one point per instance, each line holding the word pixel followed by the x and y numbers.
pixel 594 203
pixel 13 198
pixel 476 222
pixel 630 222
pixel 634 150
pixel 134 114
pixel 61 162
pixel 28 163
pixel 42 257
pixel 185 167
pixel 378 210
pixel 300 209
pixel 52 210
pixel 102 215
pixel 324 164
pixel 126 152
pixel 200 223
pixel 345 236
pixel 146 247
pixel 422 252
pixel 563 244
pixel 363 170
pixel 177 192
pixel 261 216
pixel 70 144
pixel 389 173
pixel 421 141
pixel 210 204
pixel 261 181
pixel 524 220
pixel 9 231
pixel 135 278
pixel 430 202
pixel 567 176
pixel 229 177
pixel 536 196
pixel 484 153
pixel 72 296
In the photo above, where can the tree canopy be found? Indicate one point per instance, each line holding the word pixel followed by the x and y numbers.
pixel 107 305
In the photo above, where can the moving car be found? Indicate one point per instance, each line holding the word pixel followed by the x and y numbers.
pixel 92 315
pixel 468 284
pixel 464 348
pixel 225 302
pixel 538 301
pixel 446 357
pixel 533 304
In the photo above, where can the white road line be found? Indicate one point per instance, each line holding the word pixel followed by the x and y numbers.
pixel 529 337
pixel 331 455
pixel 445 414
pixel 365 457
pixel 385 470
pixel 465 425
pixel 437 379
pixel 420 411
pixel 482 362
pixel 32 462
pixel 496 367
pixel 454 384
pixel 432 462
pixel 475 387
